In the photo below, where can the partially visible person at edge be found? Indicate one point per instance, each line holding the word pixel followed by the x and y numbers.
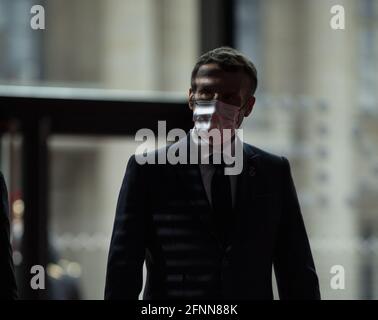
pixel 8 288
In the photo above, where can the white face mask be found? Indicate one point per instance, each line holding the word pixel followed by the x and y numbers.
pixel 215 114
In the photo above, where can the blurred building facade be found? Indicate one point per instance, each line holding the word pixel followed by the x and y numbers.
pixel 316 104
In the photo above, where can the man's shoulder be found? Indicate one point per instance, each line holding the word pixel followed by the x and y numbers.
pixel 266 157
pixel 155 156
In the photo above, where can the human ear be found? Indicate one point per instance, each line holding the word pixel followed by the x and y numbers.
pixel 249 106
pixel 191 99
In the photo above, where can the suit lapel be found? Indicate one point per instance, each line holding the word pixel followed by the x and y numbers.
pixel 246 189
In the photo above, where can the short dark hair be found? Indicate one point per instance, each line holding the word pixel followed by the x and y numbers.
pixel 230 60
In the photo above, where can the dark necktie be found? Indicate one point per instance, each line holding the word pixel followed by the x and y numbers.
pixel 221 201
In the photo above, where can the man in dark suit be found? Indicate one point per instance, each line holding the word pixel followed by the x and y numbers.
pixel 8 288
pixel 204 234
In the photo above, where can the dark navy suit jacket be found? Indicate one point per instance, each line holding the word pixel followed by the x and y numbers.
pixel 8 288
pixel 163 216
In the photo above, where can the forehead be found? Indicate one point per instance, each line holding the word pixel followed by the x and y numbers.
pixel 213 75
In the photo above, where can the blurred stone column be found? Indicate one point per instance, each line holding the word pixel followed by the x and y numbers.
pixel 149 44
pixel 20 54
pixel 72 43
pixel 281 81
pixel 330 68
pixel 309 72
